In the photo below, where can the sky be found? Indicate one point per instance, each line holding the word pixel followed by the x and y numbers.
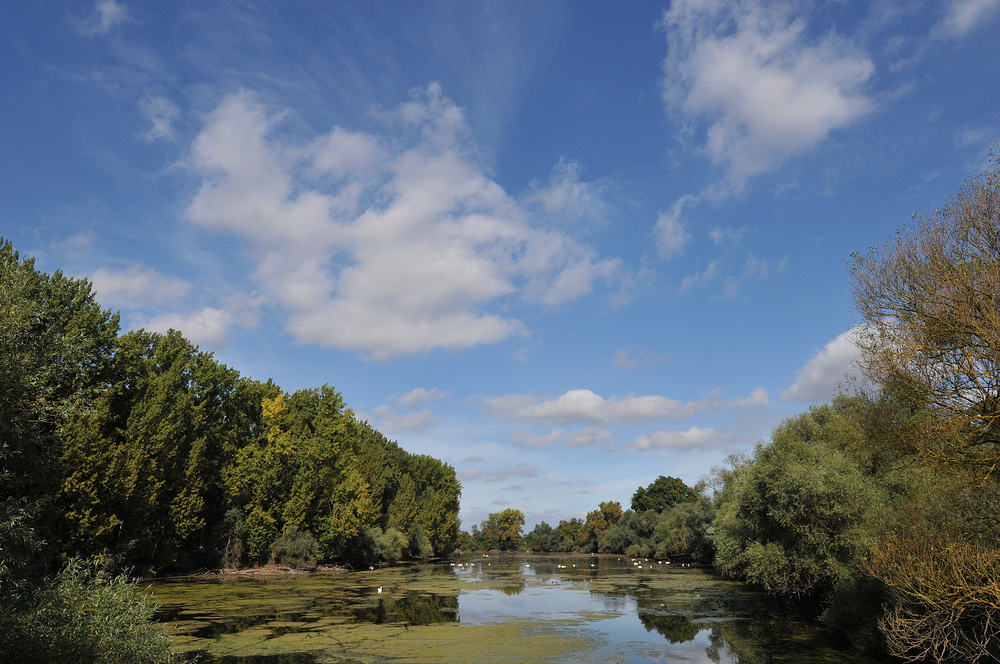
pixel 565 247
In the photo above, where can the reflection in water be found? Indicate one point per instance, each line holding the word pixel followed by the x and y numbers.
pixel 676 628
pixel 413 608
pixel 558 609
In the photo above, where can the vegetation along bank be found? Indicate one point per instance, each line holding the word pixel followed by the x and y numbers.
pixel 138 451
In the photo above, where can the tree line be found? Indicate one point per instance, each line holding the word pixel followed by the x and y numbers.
pixel 881 506
pixel 139 451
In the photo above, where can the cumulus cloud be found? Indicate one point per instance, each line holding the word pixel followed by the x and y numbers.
pixel 764 87
pixel 686 439
pixel 962 15
pixel 161 113
pixel 205 327
pixel 819 378
pixel 380 246
pixel 585 407
pixel 136 286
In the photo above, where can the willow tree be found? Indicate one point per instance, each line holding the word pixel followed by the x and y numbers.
pixel 930 298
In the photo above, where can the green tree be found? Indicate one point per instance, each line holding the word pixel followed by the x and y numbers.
pixel 663 493
pixel 799 513
pixel 56 345
pixel 502 530
pixel 541 538
pixel 599 521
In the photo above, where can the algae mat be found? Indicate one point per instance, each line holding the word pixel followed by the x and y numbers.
pixel 483 609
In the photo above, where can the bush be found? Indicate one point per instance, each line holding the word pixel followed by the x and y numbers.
pixel 82 616
pixel 295 547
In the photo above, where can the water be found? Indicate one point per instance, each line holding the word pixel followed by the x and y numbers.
pixel 480 608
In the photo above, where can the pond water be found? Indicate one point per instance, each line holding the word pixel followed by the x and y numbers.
pixel 480 608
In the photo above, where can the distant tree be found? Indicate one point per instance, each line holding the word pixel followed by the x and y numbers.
pixel 663 493
pixel 541 538
pixel 599 521
pixel 502 530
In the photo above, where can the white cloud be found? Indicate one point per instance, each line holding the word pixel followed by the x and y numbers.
pixel 765 87
pixel 525 438
pixel 476 475
pixel 161 113
pixel 669 231
pixel 390 421
pixel 584 406
pixel 565 197
pixel 206 327
pixel 107 14
pixel 418 397
pixel 136 286
pixel 963 15
pixel 210 326
pixel 686 439
pixel 727 235
pixel 588 436
pixel 626 358
pixel 402 249
pixel 706 275
pixel 818 380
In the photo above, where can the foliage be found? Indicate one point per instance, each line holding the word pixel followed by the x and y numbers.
pixel 82 616
pixel 55 344
pixel 797 516
pixel 142 451
pixel 501 531
pixel 947 599
pixel 663 493
pixel 930 298
pixel 295 547
pixel 540 538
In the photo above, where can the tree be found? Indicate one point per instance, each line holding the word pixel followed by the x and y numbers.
pixel 663 493
pixel 599 521
pixel 502 530
pixel 56 345
pixel 930 298
pixel 798 515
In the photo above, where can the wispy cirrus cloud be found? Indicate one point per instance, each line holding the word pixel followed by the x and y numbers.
pixel 161 114
pixel 961 16
pixel 626 358
pixel 106 15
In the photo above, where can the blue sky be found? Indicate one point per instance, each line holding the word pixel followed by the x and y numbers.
pixel 566 247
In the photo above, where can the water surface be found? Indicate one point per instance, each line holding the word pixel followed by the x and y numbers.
pixel 481 608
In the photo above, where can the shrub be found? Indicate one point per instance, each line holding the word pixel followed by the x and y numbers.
pixel 81 616
pixel 295 547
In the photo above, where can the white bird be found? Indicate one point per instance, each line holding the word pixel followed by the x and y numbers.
pixel 380 590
